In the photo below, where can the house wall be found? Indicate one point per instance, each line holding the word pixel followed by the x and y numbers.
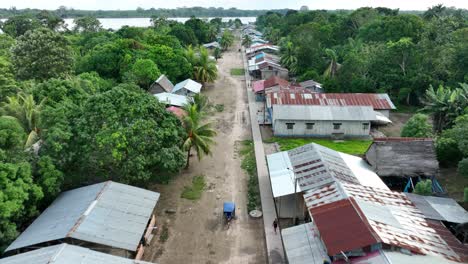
pixel 320 128
pixel 155 88
pixel 185 92
pixel 384 112
pixel 266 74
pixel 285 206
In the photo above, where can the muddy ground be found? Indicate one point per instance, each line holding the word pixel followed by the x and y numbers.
pixel 196 231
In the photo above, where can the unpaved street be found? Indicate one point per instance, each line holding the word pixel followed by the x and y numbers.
pixel 196 230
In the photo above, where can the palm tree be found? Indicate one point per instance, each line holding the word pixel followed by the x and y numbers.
pixel 205 69
pixel 201 102
pixel 23 108
pixel 445 104
pixel 334 66
pixel 199 136
pixel 247 41
pixel 288 57
pixel 227 40
pixel 191 56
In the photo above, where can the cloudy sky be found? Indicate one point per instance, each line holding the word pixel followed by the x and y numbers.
pixel 241 4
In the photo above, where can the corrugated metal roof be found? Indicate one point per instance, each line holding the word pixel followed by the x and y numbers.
pixel 275 80
pixel 303 245
pixel 377 101
pixel 439 208
pixel 280 168
pixel 188 84
pixel 315 166
pixel 325 113
pixel 343 226
pixel 108 213
pixel 172 99
pixel 67 254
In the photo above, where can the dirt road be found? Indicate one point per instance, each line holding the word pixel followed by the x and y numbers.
pixel 196 230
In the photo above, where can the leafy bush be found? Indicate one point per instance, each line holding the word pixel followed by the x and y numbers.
pixel 423 187
pixel 465 194
pixel 417 126
pixel 447 151
pixel 463 167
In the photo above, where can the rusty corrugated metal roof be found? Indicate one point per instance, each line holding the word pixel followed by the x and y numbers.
pixel 343 226
pixel 377 101
pixel 407 227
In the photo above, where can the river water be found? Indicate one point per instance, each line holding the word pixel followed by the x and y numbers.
pixel 117 23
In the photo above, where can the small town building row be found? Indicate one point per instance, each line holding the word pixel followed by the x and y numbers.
pixel 351 216
pixel 188 87
pixel 302 113
pixel 174 96
pixel 109 221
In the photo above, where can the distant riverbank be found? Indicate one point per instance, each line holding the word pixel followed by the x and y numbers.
pixel 117 23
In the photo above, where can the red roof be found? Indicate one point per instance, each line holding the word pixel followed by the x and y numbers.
pixel 377 101
pixel 275 80
pixel 258 86
pixel 179 112
pixel 343 226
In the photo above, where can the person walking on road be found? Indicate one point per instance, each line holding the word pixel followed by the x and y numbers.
pixel 275 224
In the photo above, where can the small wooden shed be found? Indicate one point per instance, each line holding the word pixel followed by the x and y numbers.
pixel 403 157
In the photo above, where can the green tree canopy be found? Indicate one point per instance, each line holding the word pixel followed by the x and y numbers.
pixel 417 126
pixel 42 54
pixel 87 24
pixel 144 72
pixel 18 25
pixel 123 134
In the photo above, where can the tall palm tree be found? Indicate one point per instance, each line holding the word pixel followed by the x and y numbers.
pixel 201 102
pixel 288 57
pixel 334 66
pixel 199 136
pixel 227 40
pixel 247 41
pixel 24 108
pixel 205 69
pixel 191 55
pixel 445 105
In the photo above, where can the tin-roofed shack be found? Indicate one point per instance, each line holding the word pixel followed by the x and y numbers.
pixel 403 157
pixel 109 217
pixel 67 254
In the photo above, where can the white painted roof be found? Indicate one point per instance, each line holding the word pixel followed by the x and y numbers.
pixel 188 84
pixel 172 99
pixel 326 113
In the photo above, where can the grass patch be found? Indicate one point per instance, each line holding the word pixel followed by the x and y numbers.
pixel 453 183
pixel 219 108
pixel 195 191
pixel 250 166
pixel 164 234
pixel 237 71
pixel 353 147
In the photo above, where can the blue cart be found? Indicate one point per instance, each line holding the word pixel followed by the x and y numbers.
pixel 229 211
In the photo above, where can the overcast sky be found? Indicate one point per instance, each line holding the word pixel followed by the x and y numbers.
pixel 241 4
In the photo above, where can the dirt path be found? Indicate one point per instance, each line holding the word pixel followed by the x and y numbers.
pixel 196 230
